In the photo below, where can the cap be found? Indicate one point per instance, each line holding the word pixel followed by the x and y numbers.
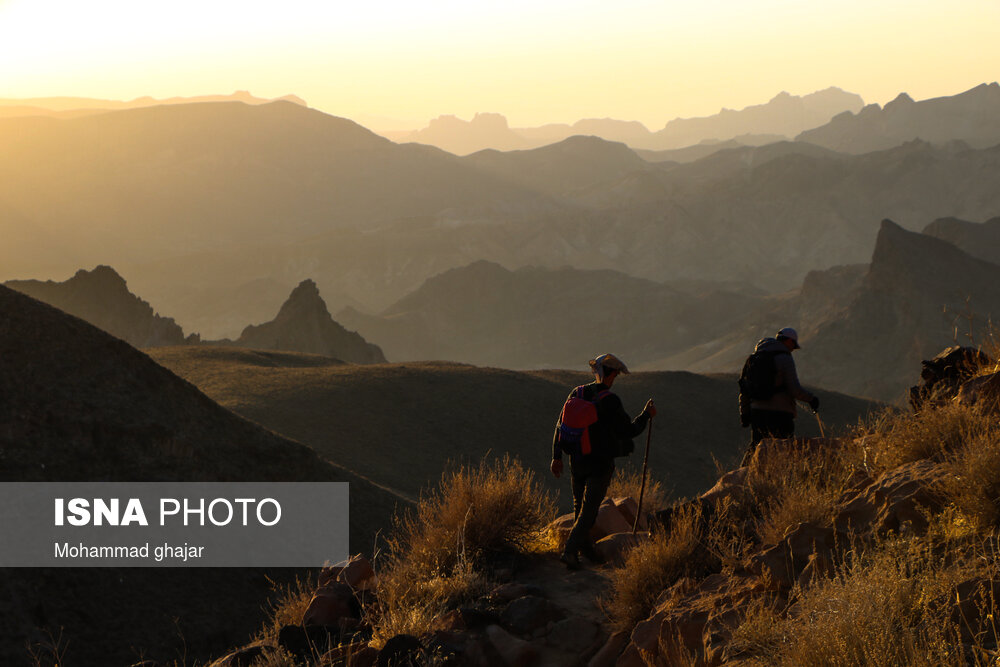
pixel 609 361
pixel 791 334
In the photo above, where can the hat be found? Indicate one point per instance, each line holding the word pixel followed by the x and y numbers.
pixel 790 334
pixel 608 361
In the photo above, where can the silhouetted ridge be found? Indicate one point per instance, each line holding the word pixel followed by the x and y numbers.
pixel 304 324
pixel 979 239
pixel 102 298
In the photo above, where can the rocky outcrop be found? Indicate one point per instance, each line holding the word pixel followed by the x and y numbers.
pixel 945 375
pixel 102 298
pixel 304 325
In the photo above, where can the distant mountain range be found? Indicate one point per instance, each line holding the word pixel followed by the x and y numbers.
pixel 74 107
pixel 973 117
pixel 783 117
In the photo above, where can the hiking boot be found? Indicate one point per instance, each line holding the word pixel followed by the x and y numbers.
pixel 589 551
pixel 570 560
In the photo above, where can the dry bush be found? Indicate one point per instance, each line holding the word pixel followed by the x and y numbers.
pixel 972 481
pixel 655 565
pixel 286 607
pixel 438 554
pixel 892 438
pixel 799 486
pixel 626 483
pixel 883 608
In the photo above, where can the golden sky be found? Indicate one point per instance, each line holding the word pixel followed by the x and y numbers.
pixel 399 64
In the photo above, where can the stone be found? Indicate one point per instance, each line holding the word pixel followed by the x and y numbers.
pixel 782 564
pixel 942 376
pixel 897 497
pixel 733 483
pixel 330 604
pixel 449 621
pixel 573 634
pixel 609 521
pixel 400 651
pixel 526 614
pixel 607 656
pixel 559 530
pixel 615 548
pixel 510 592
pixel 628 507
pixel 982 392
pixel 514 652
pixel 304 642
pixel 358 573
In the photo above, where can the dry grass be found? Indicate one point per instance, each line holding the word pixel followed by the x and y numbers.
pixel 971 483
pixel 440 554
pixel 656 565
pixel 287 606
pixel 626 483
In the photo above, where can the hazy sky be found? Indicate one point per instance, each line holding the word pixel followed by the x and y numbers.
pixel 536 62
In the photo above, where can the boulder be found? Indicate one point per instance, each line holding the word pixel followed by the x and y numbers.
pixel 982 392
pixel 306 642
pixel 942 376
pixel 609 521
pixel 514 652
pixel 510 592
pixel 733 483
pixel 330 604
pixel 559 530
pixel 526 614
pixel 607 656
pixel 356 654
pixel 615 548
pixel 896 498
pixel 573 634
pixel 358 573
pixel 782 564
pixel 628 507
pixel 400 651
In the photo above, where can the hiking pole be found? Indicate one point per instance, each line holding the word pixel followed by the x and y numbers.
pixel 642 487
pixel 822 431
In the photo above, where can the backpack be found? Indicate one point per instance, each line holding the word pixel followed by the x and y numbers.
pixel 759 374
pixel 576 416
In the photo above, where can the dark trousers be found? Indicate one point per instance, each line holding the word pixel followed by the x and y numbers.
pixel 768 424
pixel 591 480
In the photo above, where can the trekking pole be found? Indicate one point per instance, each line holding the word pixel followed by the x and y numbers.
pixel 822 431
pixel 642 487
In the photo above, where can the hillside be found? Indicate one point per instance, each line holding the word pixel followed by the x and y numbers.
pixel 101 297
pixel 979 239
pixel 536 318
pixel 972 117
pixel 304 325
pixel 80 405
pixel 443 413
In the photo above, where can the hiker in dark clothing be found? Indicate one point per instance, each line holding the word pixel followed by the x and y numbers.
pixel 592 464
pixel 770 412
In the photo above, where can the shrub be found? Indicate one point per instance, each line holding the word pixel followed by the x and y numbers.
pixel 286 607
pixel 655 565
pixel 440 553
pixel 894 438
pixel 626 483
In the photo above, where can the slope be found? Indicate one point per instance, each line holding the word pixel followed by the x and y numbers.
pixel 402 424
pixel 77 404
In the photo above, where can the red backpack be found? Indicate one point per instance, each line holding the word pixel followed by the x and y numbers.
pixel 577 414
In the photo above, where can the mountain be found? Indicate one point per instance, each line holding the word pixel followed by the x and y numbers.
pixel 972 117
pixel 69 106
pixel 151 183
pixel 535 318
pixel 443 414
pixel 102 298
pixel 784 115
pixel 452 134
pixel 981 240
pixel 572 165
pixel 77 404
pixel 304 325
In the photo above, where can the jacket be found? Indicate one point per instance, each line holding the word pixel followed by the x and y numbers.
pixel 613 425
pixel 786 380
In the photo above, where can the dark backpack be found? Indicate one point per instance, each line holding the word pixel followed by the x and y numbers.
pixel 576 416
pixel 758 379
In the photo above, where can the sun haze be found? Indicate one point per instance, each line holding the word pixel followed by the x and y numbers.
pixel 555 61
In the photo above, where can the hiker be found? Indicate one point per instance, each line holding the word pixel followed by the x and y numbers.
pixel 769 387
pixel 592 444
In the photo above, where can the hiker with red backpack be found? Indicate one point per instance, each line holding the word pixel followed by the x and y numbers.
pixel 593 429
pixel 769 387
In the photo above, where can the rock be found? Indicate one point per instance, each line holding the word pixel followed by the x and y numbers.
pixel 628 507
pixel 559 530
pixel 303 642
pixel 400 651
pixel 782 564
pixel 609 521
pixel 573 634
pixel 731 484
pixel 330 604
pixel 358 573
pixel 897 497
pixel 615 548
pixel 446 648
pixel 526 614
pixel 607 656
pixel 942 376
pixel 510 592
pixel 514 652
pixel 478 618
pixel 450 621
pixel 817 567
pixel 983 392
